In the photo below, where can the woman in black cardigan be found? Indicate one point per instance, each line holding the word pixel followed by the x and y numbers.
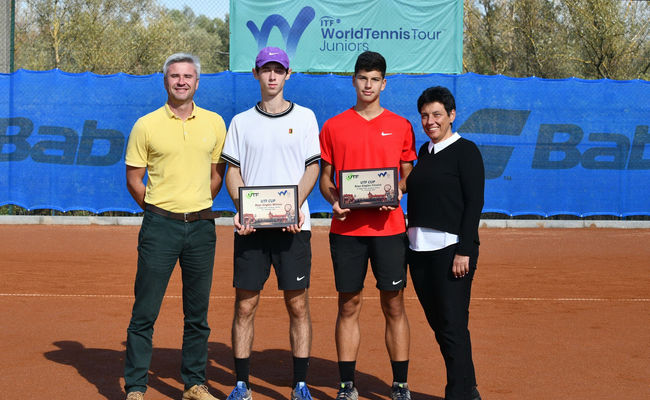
pixel 445 199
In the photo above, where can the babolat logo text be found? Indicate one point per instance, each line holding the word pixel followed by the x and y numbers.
pixel 558 146
pixel 60 145
pixel 495 121
pixel 498 133
pixel 291 34
pixel 283 193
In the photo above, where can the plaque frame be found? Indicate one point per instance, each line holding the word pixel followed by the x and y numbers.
pixel 268 213
pixel 347 198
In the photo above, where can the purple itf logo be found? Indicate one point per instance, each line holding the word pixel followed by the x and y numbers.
pixel 290 34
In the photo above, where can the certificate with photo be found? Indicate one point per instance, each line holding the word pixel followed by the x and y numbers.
pixel 268 206
pixel 368 188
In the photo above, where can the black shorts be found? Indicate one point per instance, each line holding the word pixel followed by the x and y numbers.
pixel 387 255
pixel 289 253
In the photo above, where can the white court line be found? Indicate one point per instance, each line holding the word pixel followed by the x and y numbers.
pixel 522 299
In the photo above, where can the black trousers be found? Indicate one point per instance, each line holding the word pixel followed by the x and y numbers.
pixel 445 301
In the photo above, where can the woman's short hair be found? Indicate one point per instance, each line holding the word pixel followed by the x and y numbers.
pixel 438 94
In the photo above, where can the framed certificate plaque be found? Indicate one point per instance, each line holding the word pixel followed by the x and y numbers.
pixel 368 188
pixel 268 206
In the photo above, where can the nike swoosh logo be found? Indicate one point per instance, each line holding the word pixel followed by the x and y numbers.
pixel 272 54
pixel 397 283
pixel 386 134
pixel 300 278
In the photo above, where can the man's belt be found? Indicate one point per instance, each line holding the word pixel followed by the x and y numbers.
pixel 185 217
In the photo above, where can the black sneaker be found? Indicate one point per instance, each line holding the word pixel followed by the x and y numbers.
pixel 475 394
pixel 347 391
pixel 400 391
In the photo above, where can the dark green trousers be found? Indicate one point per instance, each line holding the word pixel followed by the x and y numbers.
pixel 162 242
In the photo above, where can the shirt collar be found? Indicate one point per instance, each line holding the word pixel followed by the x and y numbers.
pixel 436 147
pixel 259 109
pixel 171 114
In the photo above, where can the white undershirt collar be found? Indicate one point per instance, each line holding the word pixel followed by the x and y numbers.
pixel 437 147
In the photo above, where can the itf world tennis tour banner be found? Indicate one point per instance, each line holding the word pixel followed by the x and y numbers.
pixel 550 146
pixel 415 36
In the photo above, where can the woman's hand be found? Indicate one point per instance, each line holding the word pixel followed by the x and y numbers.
pixel 461 266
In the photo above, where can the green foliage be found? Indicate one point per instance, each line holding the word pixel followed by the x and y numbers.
pixel 589 39
pixel 610 37
pixel 110 36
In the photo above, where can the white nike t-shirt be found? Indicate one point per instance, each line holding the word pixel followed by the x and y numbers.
pixel 273 149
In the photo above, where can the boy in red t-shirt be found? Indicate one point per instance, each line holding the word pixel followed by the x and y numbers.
pixel 368 136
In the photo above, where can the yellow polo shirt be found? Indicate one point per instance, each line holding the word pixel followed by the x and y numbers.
pixel 178 155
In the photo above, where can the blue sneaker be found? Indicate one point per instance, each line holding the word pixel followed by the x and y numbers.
pixel 240 392
pixel 301 392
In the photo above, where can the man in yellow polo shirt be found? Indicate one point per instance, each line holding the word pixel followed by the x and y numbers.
pixel 179 145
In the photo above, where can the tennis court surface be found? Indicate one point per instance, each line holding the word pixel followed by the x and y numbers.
pixel 555 314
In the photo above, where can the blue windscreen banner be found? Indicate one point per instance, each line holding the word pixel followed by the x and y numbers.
pixel 415 36
pixel 550 147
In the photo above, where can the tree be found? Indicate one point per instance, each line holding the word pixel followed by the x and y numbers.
pixel 590 39
pixel 610 37
pixel 207 38
pixel 487 37
pixel 85 35
pixel 110 36
pixel 539 39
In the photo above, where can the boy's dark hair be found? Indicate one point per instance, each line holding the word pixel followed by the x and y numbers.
pixel 370 61
pixel 438 94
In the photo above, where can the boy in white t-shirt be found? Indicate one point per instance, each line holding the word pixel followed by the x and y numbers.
pixel 274 143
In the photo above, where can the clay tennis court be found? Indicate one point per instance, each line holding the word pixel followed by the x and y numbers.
pixel 555 314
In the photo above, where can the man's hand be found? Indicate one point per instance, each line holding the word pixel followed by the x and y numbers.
pixel 242 229
pixel 339 213
pixel 295 228
pixel 389 208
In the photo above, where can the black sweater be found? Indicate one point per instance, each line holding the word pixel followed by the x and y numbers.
pixel 445 192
